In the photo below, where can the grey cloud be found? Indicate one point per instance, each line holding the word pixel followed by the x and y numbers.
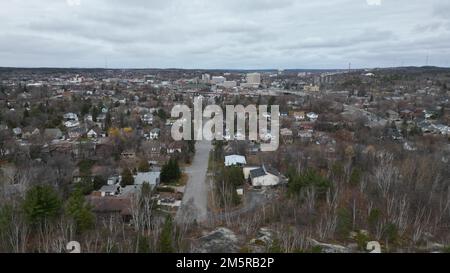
pixel 222 33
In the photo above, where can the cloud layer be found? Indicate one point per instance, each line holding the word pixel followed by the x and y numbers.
pixel 224 33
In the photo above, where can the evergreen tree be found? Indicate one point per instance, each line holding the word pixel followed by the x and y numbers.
pixel 310 178
pixel 165 240
pixel 162 114
pixel 234 176
pixel 108 121
pixel 127 178
pixel 344 222
pixel 170 172
pixel 80 211
pixel 41 203
pixel 95 113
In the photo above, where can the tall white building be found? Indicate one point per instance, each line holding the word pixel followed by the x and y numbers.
pixel 218 79
pixel 206 78
pixel 254 78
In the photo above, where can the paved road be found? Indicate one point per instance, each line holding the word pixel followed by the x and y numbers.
pixel 253 199
pixel 194 205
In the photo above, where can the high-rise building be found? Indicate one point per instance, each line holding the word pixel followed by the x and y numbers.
pixel 254 78
pixel 218 79
pixel 206 78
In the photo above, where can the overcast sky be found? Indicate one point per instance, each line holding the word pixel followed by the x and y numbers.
pixel 252 34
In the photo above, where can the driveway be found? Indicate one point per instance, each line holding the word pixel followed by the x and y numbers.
pixel 194 205
pixel 253 199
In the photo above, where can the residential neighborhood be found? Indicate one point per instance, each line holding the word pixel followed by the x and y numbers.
pixel 107 135
pixel 220 135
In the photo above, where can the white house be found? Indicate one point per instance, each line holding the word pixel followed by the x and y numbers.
pixel 17 132
pixel 114 180
pixel 147 118
pixel 71 123
pixel 235 160
pixel 262 176
pixel 109 190
pixel 70 117
pixel 154 133
pixel 312 116
pixel 92 134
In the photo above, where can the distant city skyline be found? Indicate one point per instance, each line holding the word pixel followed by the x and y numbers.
pixel 232 34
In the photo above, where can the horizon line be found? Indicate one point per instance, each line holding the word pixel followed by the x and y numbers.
pixel 219 69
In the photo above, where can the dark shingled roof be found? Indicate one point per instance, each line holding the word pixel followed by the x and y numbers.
pixel 257 173
pixel 110 204
pixel 272 171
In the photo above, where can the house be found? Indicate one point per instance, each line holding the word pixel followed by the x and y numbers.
pixel 407 114
pixel 429 114
pixel 17 132
pixel 130 190
pixel 109 190
pixel 305 135
pixel 29 134
pixel 111 206
pixel 76 132
pixel 154 133
pixel 235 160
pixel 114 180
pixel 53 134
pixel 152 148
pixel 128 154
pixel 306 126
pixel 88 118
pixel 71 120
pixel 392 115
pixel 287 135
pixel 311 88
pixel 70 117
pixel 299 115
pixel 174 147
pixel 147 119
pixel 92 134
pixel 71 124
pixel 151 178
pixel 312 116
pixel 262 176
pixel 101 121
pixel 442 129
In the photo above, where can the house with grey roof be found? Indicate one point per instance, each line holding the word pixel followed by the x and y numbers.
pixel 263 176
pixel 53 134
pixel 151 178
pixel 109 190
pixel 235 160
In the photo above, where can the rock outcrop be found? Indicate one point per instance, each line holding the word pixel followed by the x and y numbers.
pixel 221 240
